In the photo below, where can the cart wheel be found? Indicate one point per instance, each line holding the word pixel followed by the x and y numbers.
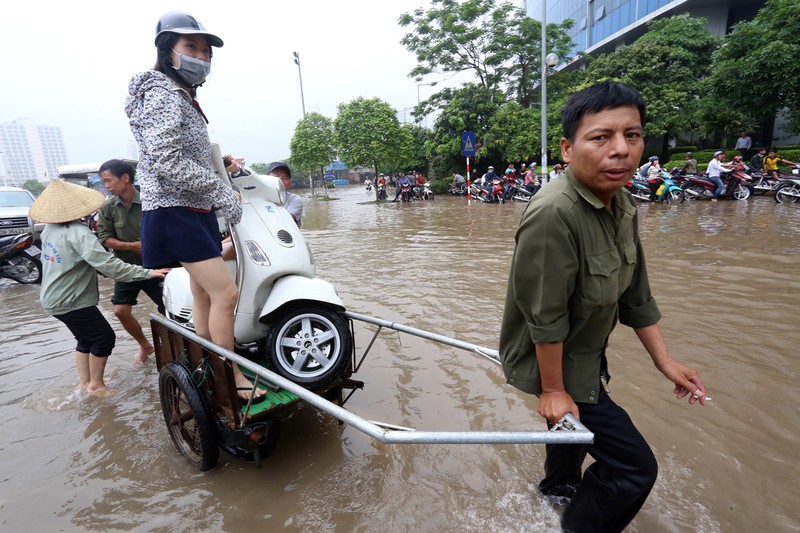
pixel 308 345
pixel 188 420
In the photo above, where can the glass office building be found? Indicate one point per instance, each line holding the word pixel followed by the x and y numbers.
pixel 602 25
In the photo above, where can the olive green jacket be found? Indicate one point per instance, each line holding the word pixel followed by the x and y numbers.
pixel 577 268
pixel 122 223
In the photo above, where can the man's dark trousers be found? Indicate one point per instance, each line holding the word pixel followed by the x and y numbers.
pixel 614 487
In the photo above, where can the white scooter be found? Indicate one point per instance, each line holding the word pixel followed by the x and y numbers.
pixel 284 314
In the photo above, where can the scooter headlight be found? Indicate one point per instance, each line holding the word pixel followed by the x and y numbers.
pixel 256 254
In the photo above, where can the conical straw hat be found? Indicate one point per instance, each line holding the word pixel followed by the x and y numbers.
pixel 63 202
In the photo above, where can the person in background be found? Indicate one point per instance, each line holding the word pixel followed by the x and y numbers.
pixel 556 172
pixel 757 161
pixel 293 204
pixel 530 182
pixel 716 167
pixel 487 180
pixel 402 180
pixel 71 258
pixel 772 161
pixel 179 189
pixel 743 144
pixel 118 226
pixel 532 167
pixel 689 165
pixel 646 167
pixel 578 267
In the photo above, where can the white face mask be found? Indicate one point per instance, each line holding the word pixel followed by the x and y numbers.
pixel 193 71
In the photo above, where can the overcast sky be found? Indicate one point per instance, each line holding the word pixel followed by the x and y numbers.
pixel 68 63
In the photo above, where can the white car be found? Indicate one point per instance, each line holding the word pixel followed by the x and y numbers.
pixel 14 205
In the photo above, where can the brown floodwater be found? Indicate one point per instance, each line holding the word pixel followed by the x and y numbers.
pixel 725 276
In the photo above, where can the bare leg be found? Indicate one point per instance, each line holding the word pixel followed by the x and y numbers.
pixel 82 364
pixel 97 368
pixel 214 294
pixel 134 329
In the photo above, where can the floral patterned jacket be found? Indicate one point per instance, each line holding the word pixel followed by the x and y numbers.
pixel 174 149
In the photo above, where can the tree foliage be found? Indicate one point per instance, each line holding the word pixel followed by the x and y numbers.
pixel 312 143
pixel 367 132
pixel 469 108
pixel 34 186
pixel 499 44
pixel 667 65
pixel 756 70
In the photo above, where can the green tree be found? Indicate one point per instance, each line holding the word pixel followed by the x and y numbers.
pixel 518 41
pixel 757 70
pixel 498 43
pixel 469 108
pixel 259 168
pixel 34 186
pixel 667 65
pixel 312 143
pixel 453 37
pixel 367 132
pixel 515 132
pixel 411 151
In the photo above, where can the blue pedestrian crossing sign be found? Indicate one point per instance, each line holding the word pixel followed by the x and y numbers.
pixel 468 143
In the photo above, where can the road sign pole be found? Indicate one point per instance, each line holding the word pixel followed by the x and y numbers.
pixel 469 190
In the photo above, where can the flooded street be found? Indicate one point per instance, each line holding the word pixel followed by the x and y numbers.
pixel 724 274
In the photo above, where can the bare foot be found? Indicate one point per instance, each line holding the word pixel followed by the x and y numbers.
pixel 244 386
pixel 100 392
pixel 143 355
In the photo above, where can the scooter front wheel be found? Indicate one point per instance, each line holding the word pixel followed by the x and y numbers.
pixel 310 346
pixel 743 192
pixel 675 196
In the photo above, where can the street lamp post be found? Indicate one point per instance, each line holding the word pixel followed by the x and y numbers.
pixel 548 60
pixel 300 73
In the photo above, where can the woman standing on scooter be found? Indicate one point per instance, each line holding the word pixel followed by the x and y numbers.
pixel 179 189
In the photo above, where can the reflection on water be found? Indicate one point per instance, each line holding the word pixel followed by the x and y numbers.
pixel 724 276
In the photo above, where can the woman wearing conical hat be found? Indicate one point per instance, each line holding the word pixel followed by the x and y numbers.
pixel 71 258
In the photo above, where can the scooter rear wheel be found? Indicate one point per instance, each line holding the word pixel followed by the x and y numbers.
pixel 310 346
pixel 189 422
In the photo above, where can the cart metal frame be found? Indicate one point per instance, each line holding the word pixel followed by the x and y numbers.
pixel 171 338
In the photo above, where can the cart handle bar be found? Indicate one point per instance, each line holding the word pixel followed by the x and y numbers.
pixel 567 431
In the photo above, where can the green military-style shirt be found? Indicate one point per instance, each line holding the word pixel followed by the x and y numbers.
pixel 577 268
pixel 121 223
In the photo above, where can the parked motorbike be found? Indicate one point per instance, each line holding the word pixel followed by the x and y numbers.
pixel 459 189
pixel 763 183
pixel 788 189
pixel 494 194
pixel 406 193
pixel 736 185
pixel 381 191
pixel 19 259
pixel 517 193
pixel 284 314
pixel 425 192
pixel 666 189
